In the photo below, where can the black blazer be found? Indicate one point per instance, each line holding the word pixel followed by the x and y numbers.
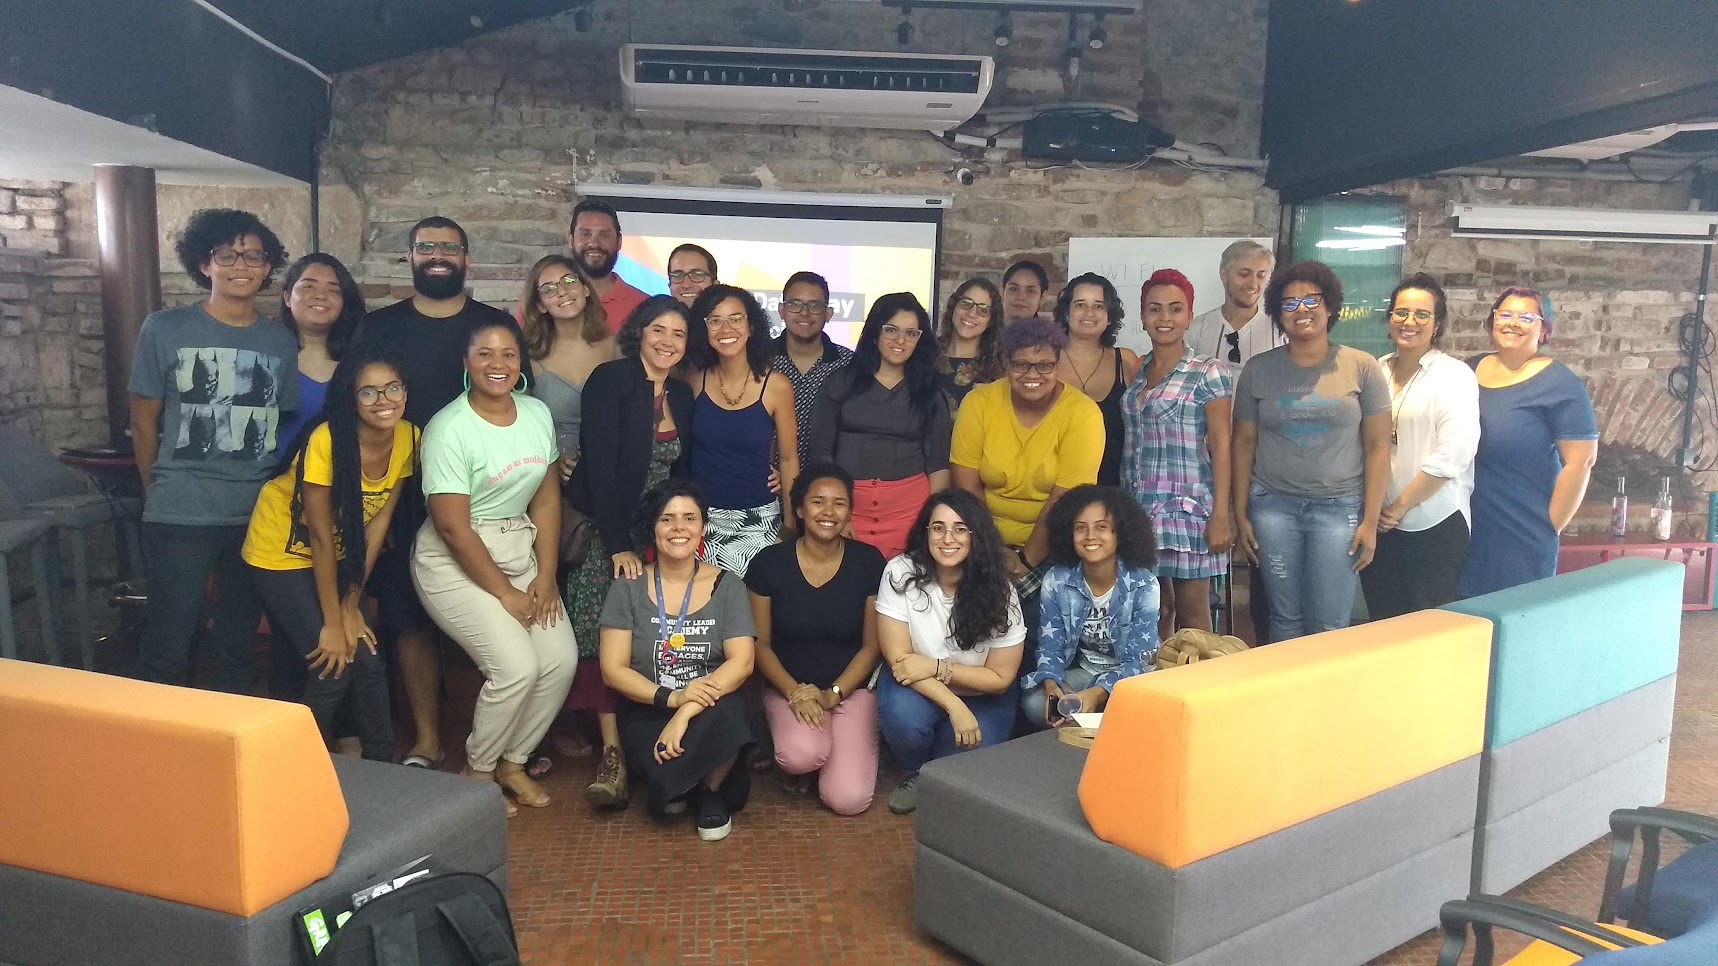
pixel 617 428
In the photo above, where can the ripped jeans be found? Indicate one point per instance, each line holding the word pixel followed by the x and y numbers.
pixel 1303 555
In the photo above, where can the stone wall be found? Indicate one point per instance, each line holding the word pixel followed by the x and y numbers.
pixel 51 369
pixel 1617 308
pixel 501 132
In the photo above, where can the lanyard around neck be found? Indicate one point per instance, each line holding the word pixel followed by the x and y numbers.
pixel 672 635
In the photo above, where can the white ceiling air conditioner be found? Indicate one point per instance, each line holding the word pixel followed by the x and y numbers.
pixel 1584 224
pixel 756 85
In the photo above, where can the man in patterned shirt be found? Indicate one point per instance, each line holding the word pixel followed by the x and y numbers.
pixel 803 353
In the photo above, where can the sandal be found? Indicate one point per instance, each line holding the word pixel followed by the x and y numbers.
pixel 425 762
pixel 515 782
pixel 540 767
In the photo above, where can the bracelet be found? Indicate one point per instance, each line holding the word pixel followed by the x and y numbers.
pixel 662 695
pixel 945 670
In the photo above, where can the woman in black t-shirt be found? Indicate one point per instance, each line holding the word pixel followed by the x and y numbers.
pixel 814 604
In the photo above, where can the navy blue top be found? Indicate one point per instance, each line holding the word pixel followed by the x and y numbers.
pixel 731 451
pixel 1516 470
pixel 311 396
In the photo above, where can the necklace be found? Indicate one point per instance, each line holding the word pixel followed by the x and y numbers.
pixel 818 573
pixel 1090 375
pixel 722 386
pixel 1396 401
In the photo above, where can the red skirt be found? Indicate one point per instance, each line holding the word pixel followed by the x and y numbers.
pixel 884 510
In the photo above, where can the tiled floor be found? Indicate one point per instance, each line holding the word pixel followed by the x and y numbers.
pixel 795 884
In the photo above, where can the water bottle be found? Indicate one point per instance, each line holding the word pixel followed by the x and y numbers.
pixel 1661 515
pixel 1620 510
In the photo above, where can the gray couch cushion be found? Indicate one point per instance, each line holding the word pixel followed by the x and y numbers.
pixel 397 815
pixel 1012 814
pixel 1538 765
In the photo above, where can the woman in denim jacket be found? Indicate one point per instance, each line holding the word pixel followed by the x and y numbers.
pixel 1098 622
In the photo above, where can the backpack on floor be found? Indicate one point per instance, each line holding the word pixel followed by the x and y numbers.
pixel 458 919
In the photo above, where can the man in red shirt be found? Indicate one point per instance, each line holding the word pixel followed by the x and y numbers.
pixel 594 239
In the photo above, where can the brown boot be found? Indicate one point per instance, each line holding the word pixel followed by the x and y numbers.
pixel 609 790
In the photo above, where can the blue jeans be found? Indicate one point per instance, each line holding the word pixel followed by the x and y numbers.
pixel 918 730
pixel 1303 554
pixel 1035 706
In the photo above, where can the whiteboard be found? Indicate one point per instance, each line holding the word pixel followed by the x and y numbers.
pixel 1128 262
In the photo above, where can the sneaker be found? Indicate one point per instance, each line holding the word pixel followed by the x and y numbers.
pixel 714 823
pixel 609 790
pixel 904 800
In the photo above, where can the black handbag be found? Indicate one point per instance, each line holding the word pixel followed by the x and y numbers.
pixel 577 531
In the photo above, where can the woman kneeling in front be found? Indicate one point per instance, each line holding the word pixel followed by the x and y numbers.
pixel 1099 603
pixel 676 646
pixel 814 600
pixel 949 624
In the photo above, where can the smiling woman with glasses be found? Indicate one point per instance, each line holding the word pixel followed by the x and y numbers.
pixel 1022 442
pixel 1311 457
pixel 969 338
pixel 1434 420
pixel 881 419
pixel 567 336
pixel 739 416
pixel 1538 439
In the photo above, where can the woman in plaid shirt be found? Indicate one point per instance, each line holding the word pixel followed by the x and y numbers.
pixel 1176 461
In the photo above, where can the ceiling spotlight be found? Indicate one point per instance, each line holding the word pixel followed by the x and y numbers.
pixel 1004 34
pixel 1096 38
pixel 582 19
pixel 904 30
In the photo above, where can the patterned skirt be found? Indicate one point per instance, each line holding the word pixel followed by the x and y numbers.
pixel 733 537
pixel 584 590
pixel 1190 564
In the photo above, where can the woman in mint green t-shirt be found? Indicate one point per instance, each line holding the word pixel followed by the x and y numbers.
pixel 484 561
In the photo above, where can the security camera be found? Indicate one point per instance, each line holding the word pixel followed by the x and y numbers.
pixel 964 175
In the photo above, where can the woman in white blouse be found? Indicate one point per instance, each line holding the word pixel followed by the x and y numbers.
pixel 1434 406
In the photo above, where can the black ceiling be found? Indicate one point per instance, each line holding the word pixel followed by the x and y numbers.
pixel 337 35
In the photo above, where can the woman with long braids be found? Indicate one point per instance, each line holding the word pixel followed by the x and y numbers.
pixel 484 561
pixel 740 416
pixel 315 534
pixel 322 304
pixel 950 628
pixel 969 340
pixel 880 419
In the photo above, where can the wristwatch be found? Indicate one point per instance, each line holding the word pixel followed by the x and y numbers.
pixel 835 689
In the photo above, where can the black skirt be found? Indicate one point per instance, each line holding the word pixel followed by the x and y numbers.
pixel 713 737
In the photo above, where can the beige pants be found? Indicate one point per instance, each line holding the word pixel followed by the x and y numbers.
pixel 526 671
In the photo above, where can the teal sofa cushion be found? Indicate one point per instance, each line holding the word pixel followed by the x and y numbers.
pixel 1573 641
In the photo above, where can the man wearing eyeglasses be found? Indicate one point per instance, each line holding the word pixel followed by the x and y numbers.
pixel 803 352
pixel 427 333
pixel 594 239
pixel 208 384
pixel 691 270
pixel 1239 329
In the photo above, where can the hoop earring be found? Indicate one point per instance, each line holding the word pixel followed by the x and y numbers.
pixel 649 555
pixel 524 382
pixel 701 549
pixel 466 377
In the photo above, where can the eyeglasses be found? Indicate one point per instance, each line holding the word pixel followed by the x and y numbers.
pixel 971 306
pixel 798 306
pixel 1234 340
pixel 226 257
pixel 736 321
pixel 393 391
pixel 1418 315
pixel 892 331
pixel 565 281
pixel 1525 318
pixel 430 248
pixel 939 529
pixel 1310 301
pixel 1022 368
pixel 696 275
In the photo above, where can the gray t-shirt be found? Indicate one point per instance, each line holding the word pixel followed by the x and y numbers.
pixel 727 615
pixel 1097 648
pixel 1309 420
pixel 222 390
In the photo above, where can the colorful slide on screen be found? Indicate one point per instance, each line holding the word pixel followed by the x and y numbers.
pixel 862 259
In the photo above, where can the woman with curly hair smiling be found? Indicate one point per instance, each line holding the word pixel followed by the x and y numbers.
pixel 738 416
pixel 1099 602
pixel 949 624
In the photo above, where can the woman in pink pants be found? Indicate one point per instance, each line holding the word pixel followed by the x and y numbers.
pixel 814 603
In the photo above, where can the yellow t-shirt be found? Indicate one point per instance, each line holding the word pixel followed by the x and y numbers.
pixel 1020 466
pixel 276 541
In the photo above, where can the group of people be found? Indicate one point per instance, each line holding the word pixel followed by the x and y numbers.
pixel 646 509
